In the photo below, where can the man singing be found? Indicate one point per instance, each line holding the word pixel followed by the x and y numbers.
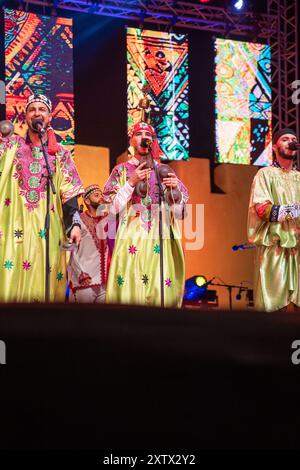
pixel 23 209
pixel 274 226
pixel 134 275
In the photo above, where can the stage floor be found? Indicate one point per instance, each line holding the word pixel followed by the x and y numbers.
pixel 103 377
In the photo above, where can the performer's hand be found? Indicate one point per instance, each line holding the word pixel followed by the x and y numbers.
pixel 75 235
pixel 139 174
pixel 172 181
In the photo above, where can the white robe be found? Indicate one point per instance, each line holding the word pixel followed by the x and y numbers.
pixel 87 269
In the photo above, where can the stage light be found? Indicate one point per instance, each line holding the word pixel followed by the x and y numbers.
pixel 197 294
pixel 195 288
pixel 239 4
pixel 200 280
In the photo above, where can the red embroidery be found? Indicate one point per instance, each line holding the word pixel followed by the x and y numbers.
pixel 101 244
pixel 84 279
pixel 29 165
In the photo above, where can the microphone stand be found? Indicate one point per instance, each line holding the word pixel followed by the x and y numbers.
pixel 49 183
pixel 296 146
pixel 298 156
pixel 229 287
pixel 161 199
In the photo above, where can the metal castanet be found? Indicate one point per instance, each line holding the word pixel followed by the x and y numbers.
pixel 6 128
pixel 141 186
pixel 172 196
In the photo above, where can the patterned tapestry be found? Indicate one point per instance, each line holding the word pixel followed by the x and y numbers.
pixel 160 60
pixel 39 59
pixel 243 102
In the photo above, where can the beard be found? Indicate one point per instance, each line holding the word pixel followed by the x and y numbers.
pixel 94 205
pixel 283 154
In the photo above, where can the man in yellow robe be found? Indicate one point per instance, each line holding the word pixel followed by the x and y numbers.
pixel 23 209
pixel 134 274
pixel 274 227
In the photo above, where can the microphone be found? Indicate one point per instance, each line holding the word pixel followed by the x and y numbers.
pixel 146 143
pixel 294 146
pixel 38 125
pixel 243 246
pixel 239 294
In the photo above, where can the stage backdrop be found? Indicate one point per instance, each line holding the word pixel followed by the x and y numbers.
pixel 243 102
pixel 161 60
pixel 39 59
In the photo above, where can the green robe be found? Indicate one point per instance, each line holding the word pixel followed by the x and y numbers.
pixel 134 274
pixel 276 282
pixel 22 220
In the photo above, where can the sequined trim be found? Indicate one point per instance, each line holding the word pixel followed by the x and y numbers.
pixel 274 213
pixel 276 164
pixel 91 225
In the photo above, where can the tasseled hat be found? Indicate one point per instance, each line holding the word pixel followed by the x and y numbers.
pixel 155 151
pixel 90 190
pixel 40 98
pixel 142 126
pixel 53 147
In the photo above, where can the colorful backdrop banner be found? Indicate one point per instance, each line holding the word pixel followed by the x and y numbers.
pixel 243 102
pixel 161 60
pixel 39 59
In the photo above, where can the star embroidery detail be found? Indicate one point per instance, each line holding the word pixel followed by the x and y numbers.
pixel 168 282
pixel 42 233
pixel 18 233
pixel 145 279
pixel 7 202
pixel 132 249
pixel 8 264
pixel 59 276
pixel 26 265
pixel 156 248
pixel 120 280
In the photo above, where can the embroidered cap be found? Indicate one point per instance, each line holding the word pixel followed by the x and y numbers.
pixel 142 126
pixel 282 132
pixel 40 98
pixel 155 151
pixel 90 190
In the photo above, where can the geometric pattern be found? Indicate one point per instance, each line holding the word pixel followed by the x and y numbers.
pixel 39 59
pixel 243 105
pixel 160 60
